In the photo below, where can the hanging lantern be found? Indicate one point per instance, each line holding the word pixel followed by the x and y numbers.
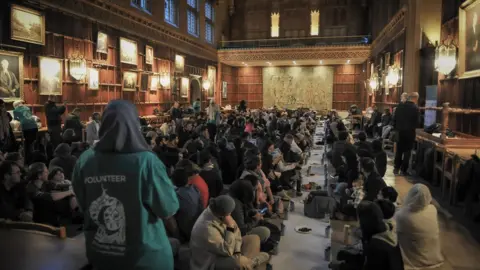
pixel 445 58
pixel 373 82
pixel 78 68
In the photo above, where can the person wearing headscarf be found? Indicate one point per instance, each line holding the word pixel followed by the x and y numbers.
pixel 418 230
pixel 64 159
pixel 125 193
pixel 217 243
pixel 380 245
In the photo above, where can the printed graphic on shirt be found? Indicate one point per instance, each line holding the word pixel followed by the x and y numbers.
pixel 109 215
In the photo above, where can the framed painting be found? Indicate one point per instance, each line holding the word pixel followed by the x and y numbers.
pixel 184 87
pixel 398 61
pixel 224 90
pixel 154 82
pixel 51 76
pixel 211 75
pixel 93 79
pixel 129 81
pixel 179 63
pixel 11 75
pixel 148 55
pixel 128 51
pixel 469 39
pixel 27 25
pixel 144 79
pixel 102 43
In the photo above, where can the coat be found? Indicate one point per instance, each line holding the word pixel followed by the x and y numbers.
pixel 92 132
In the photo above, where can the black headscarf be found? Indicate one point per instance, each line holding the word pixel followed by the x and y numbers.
pixel 120 129
pixel 371 219
pixel 242 191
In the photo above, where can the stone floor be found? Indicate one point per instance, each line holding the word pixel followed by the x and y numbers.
pixel 306 251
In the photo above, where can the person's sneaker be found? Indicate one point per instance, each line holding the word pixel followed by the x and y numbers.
pixel 260 259
pixel 396 171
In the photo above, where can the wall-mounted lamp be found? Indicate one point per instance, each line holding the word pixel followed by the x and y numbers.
pixel 446 58
pixel 206 85
pixel 373 82
pixel 165 80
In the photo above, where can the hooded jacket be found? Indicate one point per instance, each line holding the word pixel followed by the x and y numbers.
pixel 382 251
pixel 64 159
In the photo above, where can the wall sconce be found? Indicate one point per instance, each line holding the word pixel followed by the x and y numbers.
pixel 373 82
pixel 206 85
pixel 446 58
pixel 393 75
pixel 165 80
pixel 78 68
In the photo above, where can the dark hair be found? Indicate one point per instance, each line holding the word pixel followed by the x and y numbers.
pixel 77 110
pixel 204 157
pixel 222 143
pixel 267 145
pixel 362 136
pixel 342 135
pixel 95 114
pixel 371 219
pixel 364 153
pixel 34 170
pixel 203 128
pixel 389 193
pixel 13 156
pixel 341 126
pixel 242 191
pixel 159 139
pixel 180 177
pixel 172 137
pixel 53 172
pixel 6 167
pixel 198 99
pixel 387 207
pixel 367 164
pixel 252 179
pixel 377 146
pixel 188 166
pixel 251 162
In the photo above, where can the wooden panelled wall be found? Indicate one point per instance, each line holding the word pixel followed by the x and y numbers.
pixel 67 37
pixel 463 93
pixel 247 83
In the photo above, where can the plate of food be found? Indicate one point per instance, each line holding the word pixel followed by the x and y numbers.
pixel 303 229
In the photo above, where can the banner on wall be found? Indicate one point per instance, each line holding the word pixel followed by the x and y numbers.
pixel 430 101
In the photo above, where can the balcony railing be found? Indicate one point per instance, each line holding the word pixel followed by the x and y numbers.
pixel 294 42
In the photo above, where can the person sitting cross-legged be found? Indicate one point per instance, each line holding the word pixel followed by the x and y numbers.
pixel 216 241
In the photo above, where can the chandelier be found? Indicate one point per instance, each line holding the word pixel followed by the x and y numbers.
pixel 78 68
pixel 373 82
pixel 393 76
pixel 445 58
pixel 206 85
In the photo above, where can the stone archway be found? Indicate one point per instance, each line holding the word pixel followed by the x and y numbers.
pixel 195 90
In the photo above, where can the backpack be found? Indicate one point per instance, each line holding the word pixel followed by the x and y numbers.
pixel 318 203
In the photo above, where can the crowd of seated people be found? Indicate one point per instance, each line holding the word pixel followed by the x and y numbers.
pixel 392 237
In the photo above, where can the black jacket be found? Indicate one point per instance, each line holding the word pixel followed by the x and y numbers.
pixel 373 184
pixel 381 162
pixel 53 114
pixel 73 122
pixel 382 252
pixel 406 117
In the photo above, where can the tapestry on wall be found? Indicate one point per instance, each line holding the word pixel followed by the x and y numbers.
pixel 293 87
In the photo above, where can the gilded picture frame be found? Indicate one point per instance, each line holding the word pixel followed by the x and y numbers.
pixel 149 55
pixel 128 51
pixel 129 81
pixel 102 42
pixel 11 87
pixel 93 79
pixel 469 39
pixel 50 80
pixel 27 25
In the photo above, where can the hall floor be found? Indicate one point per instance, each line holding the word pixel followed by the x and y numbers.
pixel 306 251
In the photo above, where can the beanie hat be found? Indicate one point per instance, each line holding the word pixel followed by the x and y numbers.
pixel 222 205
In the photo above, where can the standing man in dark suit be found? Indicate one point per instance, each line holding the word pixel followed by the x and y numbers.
pixel 405 121
pixel 53 113
pixel 73 122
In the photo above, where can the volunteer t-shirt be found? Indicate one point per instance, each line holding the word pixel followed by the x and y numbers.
pixel 124 197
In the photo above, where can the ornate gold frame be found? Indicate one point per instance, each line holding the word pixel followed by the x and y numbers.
pixel 20 73
pixel 106 42
pixel 123 82
pixel 462 20
pixel 34 12
pixel 135 61
pixel 146 55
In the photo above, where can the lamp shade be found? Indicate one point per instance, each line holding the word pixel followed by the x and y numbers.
pixel 206 85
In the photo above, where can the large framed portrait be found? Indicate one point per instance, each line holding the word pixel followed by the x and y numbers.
pixel 144 82
pixel 93 79
pixel 148 55
pixel 102 43
pixel 27 25
pixel 224 89
pixel 51 76
pixel 179 63
pixel 211 74
pixel 469 39
pixel 11 75
pixel 128 51
pixel 184 87
pixel 154 82
pixel 130 81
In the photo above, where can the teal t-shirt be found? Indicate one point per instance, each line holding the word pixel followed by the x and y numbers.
pixel 24 115
pixel 123 198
